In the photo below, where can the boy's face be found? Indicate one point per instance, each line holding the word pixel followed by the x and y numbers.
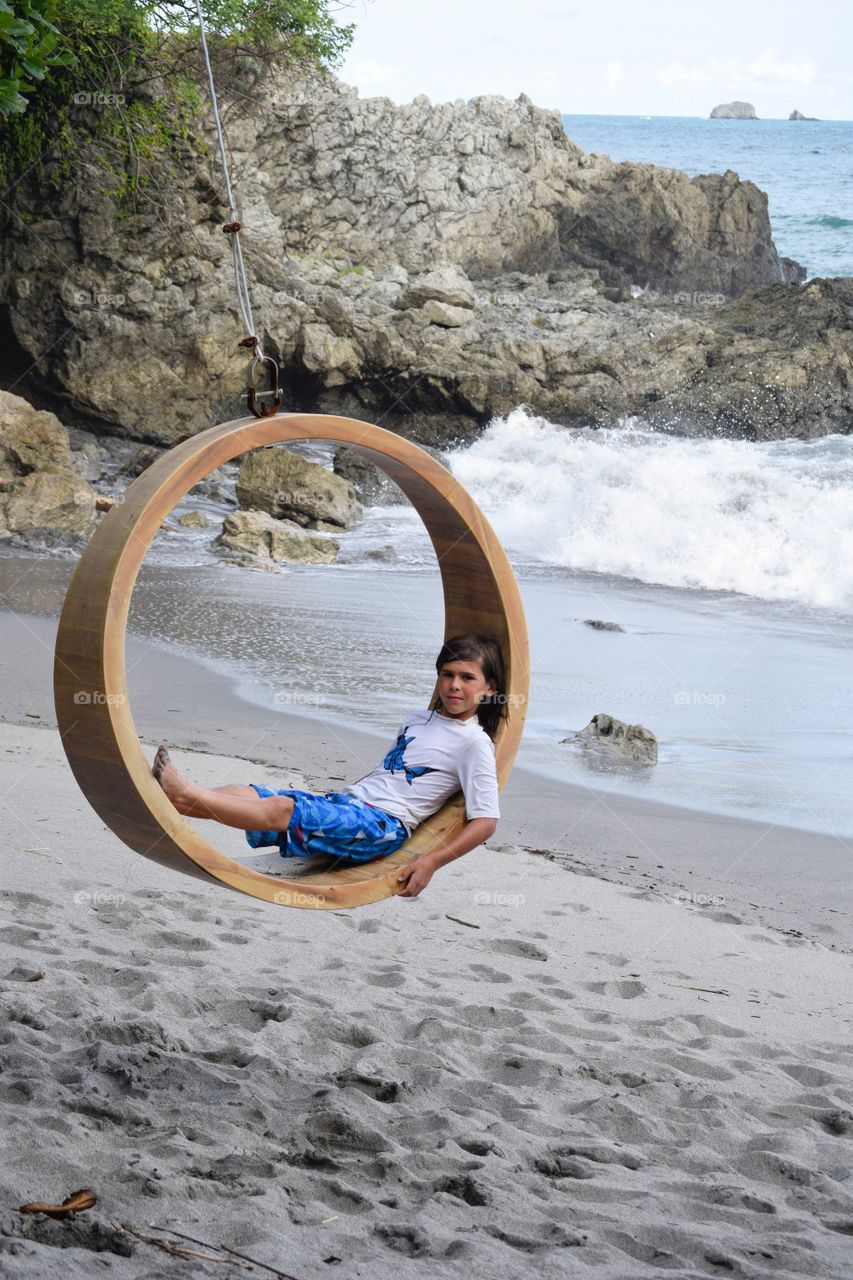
pixel 461 688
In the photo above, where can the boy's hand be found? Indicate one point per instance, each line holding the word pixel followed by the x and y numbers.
pixel 416 876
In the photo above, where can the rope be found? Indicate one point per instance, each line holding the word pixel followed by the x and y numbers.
pixel 232 227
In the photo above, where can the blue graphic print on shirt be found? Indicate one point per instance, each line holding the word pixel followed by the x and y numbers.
pixel 395 763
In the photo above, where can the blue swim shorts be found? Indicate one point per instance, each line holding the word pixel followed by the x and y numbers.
pixel 335 824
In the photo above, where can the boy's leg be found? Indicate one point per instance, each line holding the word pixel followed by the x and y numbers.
pixel 233 806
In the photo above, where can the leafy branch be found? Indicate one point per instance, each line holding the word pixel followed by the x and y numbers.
pixel 28 49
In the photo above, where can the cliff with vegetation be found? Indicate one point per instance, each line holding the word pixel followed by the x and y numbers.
pixel 426 266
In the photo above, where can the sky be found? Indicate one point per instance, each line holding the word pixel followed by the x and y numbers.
pixel 610 57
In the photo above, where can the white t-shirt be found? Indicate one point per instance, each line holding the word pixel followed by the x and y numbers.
pixel 434 757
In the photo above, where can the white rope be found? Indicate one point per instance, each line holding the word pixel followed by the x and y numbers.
pixel 240 278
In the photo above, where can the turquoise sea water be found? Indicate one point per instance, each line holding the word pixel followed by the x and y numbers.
pixel 806 168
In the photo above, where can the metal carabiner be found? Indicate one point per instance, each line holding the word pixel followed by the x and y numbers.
pixel 253 395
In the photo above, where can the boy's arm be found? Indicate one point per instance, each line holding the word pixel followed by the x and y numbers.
pixel 418 874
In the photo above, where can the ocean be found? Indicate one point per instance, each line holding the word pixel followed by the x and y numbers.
pixel 806 168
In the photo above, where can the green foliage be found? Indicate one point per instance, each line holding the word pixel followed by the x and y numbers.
pixel 28 48
pixel 135 64
pixel 304 29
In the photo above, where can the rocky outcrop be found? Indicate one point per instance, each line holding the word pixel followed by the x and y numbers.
pixel 257 540
pixel 376 236
pixel 628 742
pixel 41 486
pixel 662 230
pixel 776 362
pixel 734 111
pixel 772 364
pixel 798 115
pixel 289 487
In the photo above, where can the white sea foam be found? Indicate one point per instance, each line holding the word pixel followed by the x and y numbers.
pixel 772 520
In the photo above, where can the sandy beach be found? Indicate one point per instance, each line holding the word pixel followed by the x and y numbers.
pixel 552 1065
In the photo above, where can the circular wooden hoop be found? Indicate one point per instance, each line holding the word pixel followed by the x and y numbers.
pixel 95 721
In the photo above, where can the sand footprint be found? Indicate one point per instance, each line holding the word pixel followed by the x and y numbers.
pixel 627 989
pixel 616 960
pixel 411 1241
pixel 807 1075
pixel 179 941
pixel 464 1187
pixel 517 947
pixel 493 975
pixel 373 1085
pixel 388 976
pixel 696 1067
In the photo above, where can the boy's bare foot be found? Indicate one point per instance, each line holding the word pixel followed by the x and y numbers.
pixel 161 759
pixel 175 787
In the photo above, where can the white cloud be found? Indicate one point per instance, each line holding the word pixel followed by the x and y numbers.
pixel 370 74
pixel 765 70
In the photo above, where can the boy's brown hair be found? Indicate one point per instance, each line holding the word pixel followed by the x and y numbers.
pixel 486 653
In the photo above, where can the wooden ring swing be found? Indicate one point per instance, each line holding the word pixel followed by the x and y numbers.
pixel 95 721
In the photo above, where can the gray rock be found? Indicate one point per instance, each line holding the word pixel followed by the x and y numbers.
pixel 334 359
pixel 253 536
pixel 445 316
pixel 287 486
pixel 447 284
pixel 387 554
pixel 30 439
pixel 41 487
pixel 194 520
pixel 734 111
pixel 598 625
pixel 86 461
pixel 798 115
pixel 140 460
pixel 372 486
pixel 60 501
pixel 629 742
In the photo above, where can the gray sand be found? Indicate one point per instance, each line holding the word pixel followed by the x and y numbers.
pixel 526 1071
pixel 591 1081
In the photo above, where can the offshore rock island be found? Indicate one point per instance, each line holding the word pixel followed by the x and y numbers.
pixel 734 111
